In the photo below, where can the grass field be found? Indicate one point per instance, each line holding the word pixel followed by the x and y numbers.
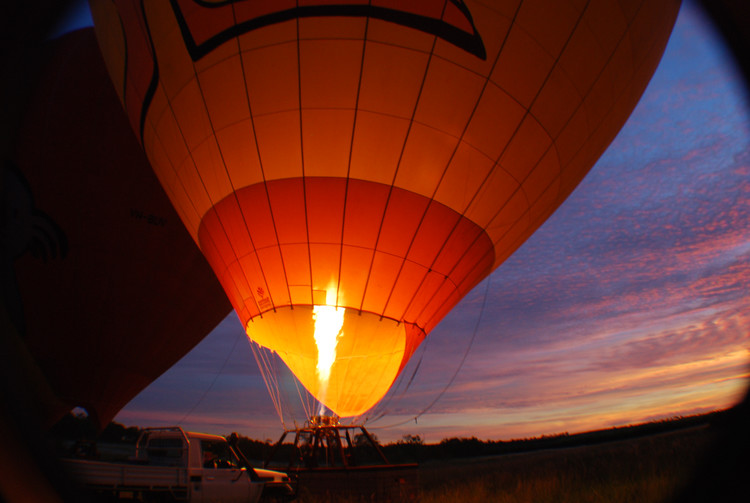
pixel 643 470
pixel 649 469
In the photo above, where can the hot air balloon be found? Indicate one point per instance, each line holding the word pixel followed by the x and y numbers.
pixel 351 169
pixel 106 290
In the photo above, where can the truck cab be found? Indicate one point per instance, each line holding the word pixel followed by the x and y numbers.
pixel 216 472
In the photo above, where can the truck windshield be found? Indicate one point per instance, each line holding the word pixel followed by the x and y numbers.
pixel 217 454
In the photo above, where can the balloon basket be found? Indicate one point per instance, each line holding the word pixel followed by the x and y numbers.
pixel 324 442
pixel 335 460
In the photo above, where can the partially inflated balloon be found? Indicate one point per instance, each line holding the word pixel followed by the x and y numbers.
pixel 108 288
pixel 352 169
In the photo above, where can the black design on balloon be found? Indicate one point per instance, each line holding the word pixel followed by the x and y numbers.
pixel 152 86
pixel 468 41
pixel 471 42
pixel 24 228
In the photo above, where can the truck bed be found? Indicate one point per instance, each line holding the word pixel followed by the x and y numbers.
pixel 103 476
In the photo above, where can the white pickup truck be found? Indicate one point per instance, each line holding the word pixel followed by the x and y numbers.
pixel 174 465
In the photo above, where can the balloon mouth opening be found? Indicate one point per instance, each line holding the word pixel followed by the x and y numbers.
pixel 345 358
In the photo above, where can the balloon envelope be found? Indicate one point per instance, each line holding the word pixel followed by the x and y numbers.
pixel 379 158
pixel 117 292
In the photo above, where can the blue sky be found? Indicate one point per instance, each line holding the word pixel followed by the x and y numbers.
pixel 630 304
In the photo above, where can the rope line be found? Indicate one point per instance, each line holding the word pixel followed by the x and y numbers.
pixel 210 387
pixel 269 378
pixel 458 369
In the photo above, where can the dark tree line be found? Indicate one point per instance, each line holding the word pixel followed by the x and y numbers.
pixel 77 429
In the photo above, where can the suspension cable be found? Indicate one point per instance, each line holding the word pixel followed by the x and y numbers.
pixel 455 374
pixel 213 381
pixel 269 378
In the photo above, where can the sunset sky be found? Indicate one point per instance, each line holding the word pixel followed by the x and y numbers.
pixel 630 304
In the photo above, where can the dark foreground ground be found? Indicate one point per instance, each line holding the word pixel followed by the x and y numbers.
pixel 680 465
